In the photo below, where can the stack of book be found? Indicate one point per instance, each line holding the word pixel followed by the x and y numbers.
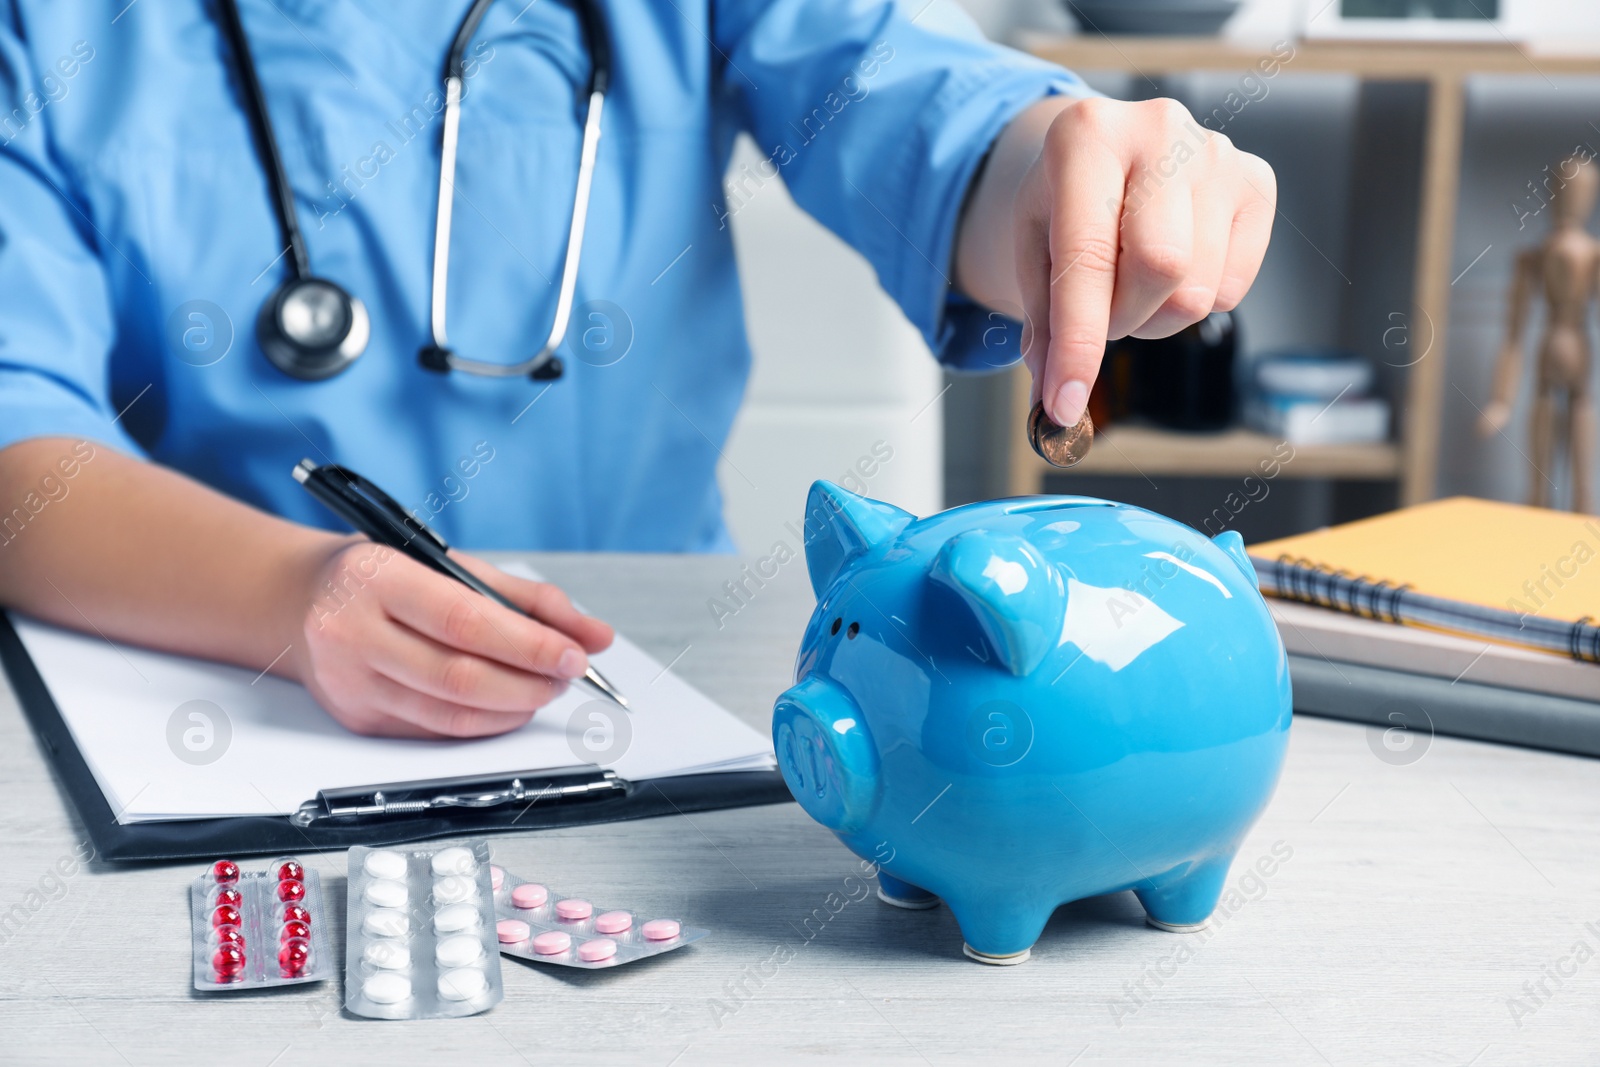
pixel 1460 616
pixel 1315 398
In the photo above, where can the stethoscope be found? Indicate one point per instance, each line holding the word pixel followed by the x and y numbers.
pixel 311 328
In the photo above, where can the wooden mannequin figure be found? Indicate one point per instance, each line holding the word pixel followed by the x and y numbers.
pixel 1565 268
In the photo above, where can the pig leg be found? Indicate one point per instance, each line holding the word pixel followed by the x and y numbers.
pixel 1184 899
pixel 892 890
pixel 999 930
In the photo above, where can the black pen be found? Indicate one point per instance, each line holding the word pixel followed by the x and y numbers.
pixel 379 517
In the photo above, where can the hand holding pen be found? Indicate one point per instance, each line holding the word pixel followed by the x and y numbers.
pixel 406 639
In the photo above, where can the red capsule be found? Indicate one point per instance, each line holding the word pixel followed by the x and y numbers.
pixel 291 869
pixel 293 958
pixel 294 930
pixel 225 872
pixel 228 935
pixel 225 915
pixel 296 913
pixel 228 963
pixel 291 890
pixel 229 896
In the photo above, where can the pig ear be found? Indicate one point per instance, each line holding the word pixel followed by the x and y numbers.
pixel 1231 543
pixel 841 525
pixel 1013 590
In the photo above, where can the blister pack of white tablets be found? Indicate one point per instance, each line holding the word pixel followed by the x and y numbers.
pixel 255 928
pixel 533 922
pixel 419 939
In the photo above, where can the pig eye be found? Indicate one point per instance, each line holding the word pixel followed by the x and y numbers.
pixel 855 628
pixel 836 623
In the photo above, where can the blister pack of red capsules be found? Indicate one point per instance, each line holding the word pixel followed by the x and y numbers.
pixel 535 923
pixel 419 933
pixel 258 927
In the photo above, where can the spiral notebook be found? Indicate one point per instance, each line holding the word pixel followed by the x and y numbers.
pixel 1520 575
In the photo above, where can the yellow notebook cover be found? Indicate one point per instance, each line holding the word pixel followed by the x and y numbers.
pixel 1507 556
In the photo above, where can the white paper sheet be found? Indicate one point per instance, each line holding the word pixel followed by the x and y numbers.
pixel 274 747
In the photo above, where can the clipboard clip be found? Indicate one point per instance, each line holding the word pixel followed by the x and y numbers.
pixel 583 781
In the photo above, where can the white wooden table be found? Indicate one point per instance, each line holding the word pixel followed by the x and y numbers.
pixel 1421 911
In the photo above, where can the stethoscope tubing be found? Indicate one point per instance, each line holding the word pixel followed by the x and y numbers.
pixel 589 153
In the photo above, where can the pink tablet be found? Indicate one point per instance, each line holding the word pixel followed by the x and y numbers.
pixel 601 948
pixel 613 922
pixel 512 931
pixel 572 908
pixel 552 943
pixel 660 929
pixel 529 895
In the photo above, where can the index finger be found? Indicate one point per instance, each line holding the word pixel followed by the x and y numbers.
pixel 544 601
pixel 1084 237
pixel 450 613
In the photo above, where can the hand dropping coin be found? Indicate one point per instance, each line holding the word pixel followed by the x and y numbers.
pixel 1059 446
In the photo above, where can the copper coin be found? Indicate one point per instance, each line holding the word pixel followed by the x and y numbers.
pixel 1059 446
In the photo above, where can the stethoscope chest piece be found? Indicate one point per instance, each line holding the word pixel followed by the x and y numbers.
pixel 312 329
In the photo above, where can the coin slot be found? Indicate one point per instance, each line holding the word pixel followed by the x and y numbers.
pixel 1055 503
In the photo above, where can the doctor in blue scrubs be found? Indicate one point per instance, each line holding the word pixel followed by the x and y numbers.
pixel 164 341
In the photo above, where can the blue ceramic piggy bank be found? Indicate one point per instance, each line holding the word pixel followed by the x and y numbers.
pixel 1012 705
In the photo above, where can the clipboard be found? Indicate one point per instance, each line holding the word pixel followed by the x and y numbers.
pixel 407 811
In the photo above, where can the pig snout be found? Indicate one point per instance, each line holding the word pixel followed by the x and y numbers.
pixel 826 754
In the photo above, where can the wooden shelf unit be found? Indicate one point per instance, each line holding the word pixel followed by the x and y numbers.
pixel 1151 452
pixel 1144 451
pixel 1443 68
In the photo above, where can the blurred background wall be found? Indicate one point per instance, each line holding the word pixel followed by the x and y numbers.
pixel 838 368
pixel 838 371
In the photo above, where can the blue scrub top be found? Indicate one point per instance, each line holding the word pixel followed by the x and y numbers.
pixel 137 240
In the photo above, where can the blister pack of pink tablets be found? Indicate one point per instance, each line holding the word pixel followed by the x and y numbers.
pixel 258 927
pixel 419 934
pixel 536 923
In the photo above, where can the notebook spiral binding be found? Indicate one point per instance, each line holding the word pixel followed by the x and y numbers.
pixel 1310 582
pixel 1316 583
pixel 1592 652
